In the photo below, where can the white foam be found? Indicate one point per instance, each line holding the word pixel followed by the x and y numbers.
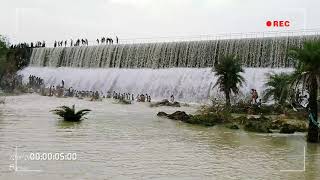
pixel 187 84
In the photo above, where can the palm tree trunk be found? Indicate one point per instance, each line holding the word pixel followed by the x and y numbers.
pixel 228 104
pixel 313 131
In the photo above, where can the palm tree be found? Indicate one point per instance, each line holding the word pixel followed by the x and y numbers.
pixel 69 114
pixel 307 76
pixel 229 79
pixel 277 88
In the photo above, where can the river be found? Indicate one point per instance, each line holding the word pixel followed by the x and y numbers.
pixel 131 142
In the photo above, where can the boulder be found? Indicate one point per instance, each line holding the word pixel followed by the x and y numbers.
pixel 163 102
pixel 162 114
pixel 175 104
pixel 294 126
pixel 287 129
pixel 259 125
pixel 278 123
pixel 240 119
pixel 232 126
pixel 289 124
pixel 166 102
pixel 179 115
pixel 185 104
pixel 301 126
pixel 209 119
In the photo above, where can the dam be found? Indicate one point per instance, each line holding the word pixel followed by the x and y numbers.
pixel 182 69
pixel 252 52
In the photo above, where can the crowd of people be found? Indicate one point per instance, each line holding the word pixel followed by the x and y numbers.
pixel 84 42
pixel 37 85
pixel 65 43
pixel 78 42
pixel 37 44
pixel 35 82
pixel 107 40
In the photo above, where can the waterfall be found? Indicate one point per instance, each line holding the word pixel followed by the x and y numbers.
pixel 186 84
pixel 252 52
pixel 182 69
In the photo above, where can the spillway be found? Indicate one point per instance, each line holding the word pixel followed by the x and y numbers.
pixel 252 52
pixel 162 69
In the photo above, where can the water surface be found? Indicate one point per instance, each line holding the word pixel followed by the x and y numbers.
pixel 130 142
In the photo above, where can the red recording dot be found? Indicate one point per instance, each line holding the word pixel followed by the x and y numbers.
pixel 269 23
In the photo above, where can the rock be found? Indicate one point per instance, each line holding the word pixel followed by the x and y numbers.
pixel 259 125
pixel 179 115
pixel 202 120
pixel 209 119
pixel 276 124
pixel 240 119
pixel 185 104
pixel 288 124
pixel 165 102
pixel 287 129
pixel 294 126
pixel 175 104
pixel 162 114
pixel 301 127
pixel 232 126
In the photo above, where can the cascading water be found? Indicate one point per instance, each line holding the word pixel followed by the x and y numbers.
pixel 187 84
pixel 161 69
pixel 258 52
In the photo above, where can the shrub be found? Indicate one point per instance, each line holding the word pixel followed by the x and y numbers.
pixel 69 114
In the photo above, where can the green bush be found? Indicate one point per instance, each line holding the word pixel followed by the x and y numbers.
pixel 11 60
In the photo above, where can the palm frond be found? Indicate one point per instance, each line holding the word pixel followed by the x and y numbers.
pixel 68 114
pixel 277 87
pixel 83 112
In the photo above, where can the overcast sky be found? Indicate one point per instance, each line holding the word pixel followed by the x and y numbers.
pixel 31 20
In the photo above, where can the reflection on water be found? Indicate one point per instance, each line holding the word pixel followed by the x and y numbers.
pixel 130 142
pixel 68 125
